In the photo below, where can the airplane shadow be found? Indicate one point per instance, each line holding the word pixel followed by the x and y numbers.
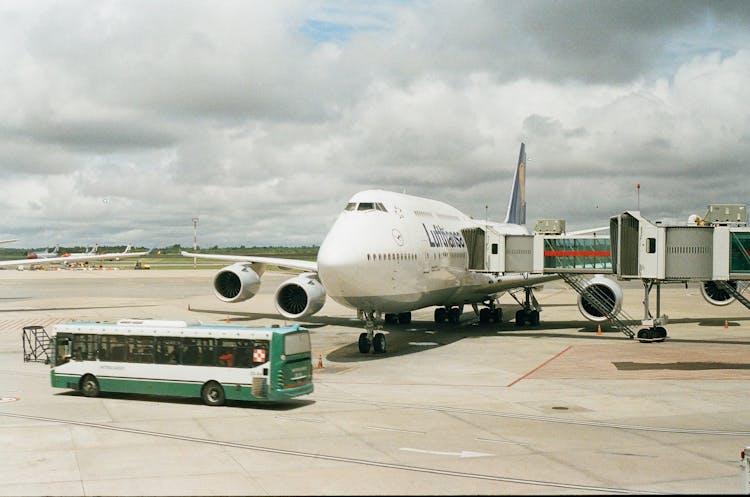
pixel 419 336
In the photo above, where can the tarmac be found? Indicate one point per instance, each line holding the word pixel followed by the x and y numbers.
pixel 448 410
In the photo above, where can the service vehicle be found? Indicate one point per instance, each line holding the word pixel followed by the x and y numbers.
pixel 214 362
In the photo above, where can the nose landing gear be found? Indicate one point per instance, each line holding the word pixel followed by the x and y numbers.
pixel 370 338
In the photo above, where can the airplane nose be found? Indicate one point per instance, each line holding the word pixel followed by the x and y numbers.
pixel 340 260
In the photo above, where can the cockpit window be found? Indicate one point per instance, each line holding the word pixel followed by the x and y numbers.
pixel 351 206
pixel 380 207
pixel 366 206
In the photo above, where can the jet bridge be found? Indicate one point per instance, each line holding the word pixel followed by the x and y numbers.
pixel 714 252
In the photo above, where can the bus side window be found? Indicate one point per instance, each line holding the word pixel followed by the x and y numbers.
pixel 189 352
pixel 84 347
pixel 167 350
pixel 242 355
pixel 208 352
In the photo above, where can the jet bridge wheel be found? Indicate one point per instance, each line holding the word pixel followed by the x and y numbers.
pixel 655 334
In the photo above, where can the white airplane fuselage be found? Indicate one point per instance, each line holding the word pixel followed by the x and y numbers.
pixel 393 253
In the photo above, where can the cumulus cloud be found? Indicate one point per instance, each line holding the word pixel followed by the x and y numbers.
pixel 127 119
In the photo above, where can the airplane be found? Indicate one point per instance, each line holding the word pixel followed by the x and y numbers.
pixel 9 240
pixel 92 251
pixel 389 254
pixel 47 254
pixel 80 258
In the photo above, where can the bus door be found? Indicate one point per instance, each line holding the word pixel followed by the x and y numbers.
pixel 62 348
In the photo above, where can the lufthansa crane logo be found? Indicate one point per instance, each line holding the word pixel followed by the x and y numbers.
pixel 399 239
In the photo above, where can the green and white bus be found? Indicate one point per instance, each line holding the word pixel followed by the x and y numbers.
pixel 216 363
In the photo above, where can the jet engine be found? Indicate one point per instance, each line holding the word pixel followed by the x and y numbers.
pixel 300 296
pixel 606 291
pixel 715 295
pixel 236 283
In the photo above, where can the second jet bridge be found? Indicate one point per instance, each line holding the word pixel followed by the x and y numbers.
pixel 699 252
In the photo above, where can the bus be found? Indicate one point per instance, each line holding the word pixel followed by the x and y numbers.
pixel 214 362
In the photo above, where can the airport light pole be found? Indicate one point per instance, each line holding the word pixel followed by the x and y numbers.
pixel 195 240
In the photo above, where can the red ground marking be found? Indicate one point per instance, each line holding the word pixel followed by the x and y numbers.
pixel 540 366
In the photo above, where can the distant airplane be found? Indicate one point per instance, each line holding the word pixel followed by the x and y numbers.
pixel 9 241
pixel 80 258
pixel 91 251
pixel 390 253
pixel 44 255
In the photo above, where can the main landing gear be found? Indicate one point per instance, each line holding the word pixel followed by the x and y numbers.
pixel 370 338
pixel 530 312
pixel 400 318
pixel 452 314
pixel 489 314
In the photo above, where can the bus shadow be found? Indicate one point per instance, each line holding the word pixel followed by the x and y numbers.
pixel 282 406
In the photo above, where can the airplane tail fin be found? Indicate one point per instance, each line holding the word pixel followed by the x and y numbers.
pixel 517 203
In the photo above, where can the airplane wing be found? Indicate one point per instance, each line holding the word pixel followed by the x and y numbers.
pixel 52 260
pixel 297 264
pixel 521 280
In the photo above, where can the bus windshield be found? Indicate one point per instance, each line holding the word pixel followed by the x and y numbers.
pixel 296 343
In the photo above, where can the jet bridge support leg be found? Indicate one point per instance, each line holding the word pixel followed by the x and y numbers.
pixel 655 332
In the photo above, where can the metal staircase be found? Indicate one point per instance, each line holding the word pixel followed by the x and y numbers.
pixel 601 302
pixel 35 344
pixel 735 292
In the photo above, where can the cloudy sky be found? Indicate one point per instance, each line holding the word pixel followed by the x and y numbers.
pixel 121 121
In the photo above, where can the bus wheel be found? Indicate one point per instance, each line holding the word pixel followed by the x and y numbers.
pixel 89 386
pixel 213 394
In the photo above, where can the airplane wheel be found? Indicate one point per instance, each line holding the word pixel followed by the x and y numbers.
pixel 378 343
pixel 440 313
pixel 534 318
pixel 497 315
pixel 404 318
pixel 485 315
pixel 454 315
pixel 364 343
pixel 520 318
pixel 660 333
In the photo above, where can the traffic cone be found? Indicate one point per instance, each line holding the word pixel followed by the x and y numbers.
pixel 598 329
pixel 320 361
pixel 726 324
pixel 229 320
